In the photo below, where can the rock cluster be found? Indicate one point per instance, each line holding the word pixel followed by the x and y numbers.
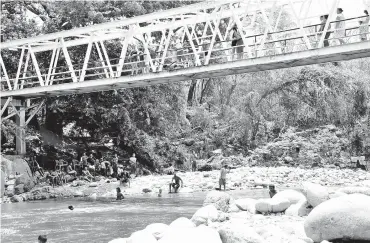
pixel 344 217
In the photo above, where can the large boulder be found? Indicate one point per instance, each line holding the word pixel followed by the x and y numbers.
pixel 272 205
pixel 13 165
pixel 274 234
pixel 220 200
pixel 315 193
pixel 182 223
pixel 199 234
pixel 27 182
pixel 19 189
pixel 141 236
pixel 292 195
pixel 247 204
pixel 156 229
pixel 353 190
pixel 237 233
pixel 302 208
pixel 16 198
pixel 205 214
pixel 233 208
pixel 346 217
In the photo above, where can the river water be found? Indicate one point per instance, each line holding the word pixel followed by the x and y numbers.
pixel 97 221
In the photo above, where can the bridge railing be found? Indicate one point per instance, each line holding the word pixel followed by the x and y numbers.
pixel 203 50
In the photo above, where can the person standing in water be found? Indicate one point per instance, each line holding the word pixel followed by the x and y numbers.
pixel 222 180
pixel 340 27
pixel 133 162
pixel 119 194
pixel 42 239
pixel 175 183
pixel 115 165
pixel 194 162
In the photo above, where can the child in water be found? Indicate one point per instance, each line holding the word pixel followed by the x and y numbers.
pixel 42 239
pixel 119 194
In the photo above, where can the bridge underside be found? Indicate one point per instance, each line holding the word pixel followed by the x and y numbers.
pixel 309 57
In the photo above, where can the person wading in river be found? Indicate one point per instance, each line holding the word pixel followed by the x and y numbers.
pixel 119 194
pixel 222 180
pixel 175 183
pixel 42 239
pixel 272 190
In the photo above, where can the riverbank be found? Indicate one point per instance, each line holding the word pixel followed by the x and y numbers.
pixel 238 179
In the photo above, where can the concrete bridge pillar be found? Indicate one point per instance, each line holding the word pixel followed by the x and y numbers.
pixel 20 120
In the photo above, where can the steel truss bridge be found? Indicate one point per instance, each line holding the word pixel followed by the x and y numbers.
pixel 203 40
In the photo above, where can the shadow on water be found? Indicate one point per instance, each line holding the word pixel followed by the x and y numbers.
pixel 98 220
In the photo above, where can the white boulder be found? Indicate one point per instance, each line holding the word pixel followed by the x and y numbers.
pixel 204 215
pixel 274 234
pixel 247 204
pixel 342 217
pixel 141 236
pixel 93 184
pixel 238 233
pixel 315 193
pixel 233 208
pixel 352 190
pixel 156 229
pixel 279 204
pixel 272 205
pixel 221 200
pixel 199 234
pixel 182 223
pixel 292 195
pixel 93 196
pixel 300 209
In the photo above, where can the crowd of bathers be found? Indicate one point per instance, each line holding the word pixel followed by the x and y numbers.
pixel 86 168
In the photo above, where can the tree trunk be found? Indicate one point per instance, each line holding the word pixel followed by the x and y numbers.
pixel 191 93
pixel 205 87
pixel 231 91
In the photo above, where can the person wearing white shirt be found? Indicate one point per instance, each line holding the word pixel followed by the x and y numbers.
pixel 340 27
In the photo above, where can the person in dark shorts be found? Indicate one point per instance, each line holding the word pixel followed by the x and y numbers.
pixel 237 43
pixel 42 239
pixel 222 180
pixel 119 194
pixel 272 190
pixel 175 183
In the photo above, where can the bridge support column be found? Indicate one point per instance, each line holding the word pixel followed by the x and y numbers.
pixel 20 120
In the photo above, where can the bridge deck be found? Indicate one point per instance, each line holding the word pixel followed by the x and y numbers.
pixel 206 40
pixel 308 57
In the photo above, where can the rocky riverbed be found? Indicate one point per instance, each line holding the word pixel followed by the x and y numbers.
pixel 238 179
pixel 313 215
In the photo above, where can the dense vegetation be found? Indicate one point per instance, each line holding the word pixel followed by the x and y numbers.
pixel 166 123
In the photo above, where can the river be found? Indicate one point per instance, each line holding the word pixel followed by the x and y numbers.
pixel 97 221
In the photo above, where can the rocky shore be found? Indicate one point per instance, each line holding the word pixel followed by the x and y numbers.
pixel 314 215
pixel 238 179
